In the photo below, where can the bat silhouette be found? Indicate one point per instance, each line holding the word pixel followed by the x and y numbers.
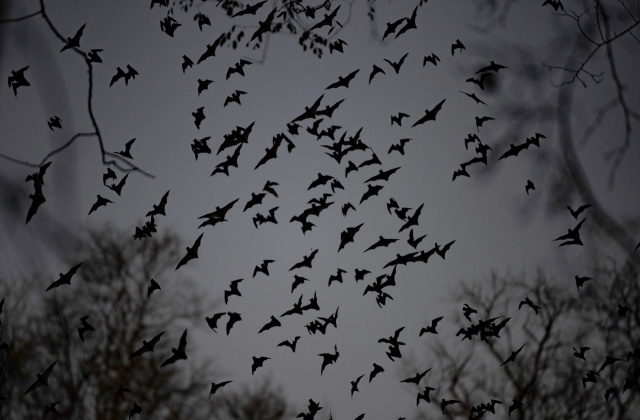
pixel 42 379
pixel 446 403
pixel 85 328
pixel 127 149
pixel 120 74
pixel 590 377
pixel 191 252
pixel 168 25
pixel 414 241
pixel 337 46
pixel 298 280
pixel 75 41
pixel 482 120
pixel 238 68
pixel 374 160
pixel 179 353
pixel 93 56
pixel 51 408
pixel 397 65
pixel 371 191
pixel 291 345
pixel 457 46
pixel 160 208
pixel 480 81
pixel 320 180
pixel 250 9
pixel 136 408
pixel 376 369
pixel 309 112
pixel 398 119
pixel 211 49
pixel 401 259
pixel 474 97
pixel 147 346
pixel 346 207
pixel 17 79
pixel 580 354
pixel 152 287
pixel 186 63
pixel 293 128
pixel 219 213
pixel 271 324
pixel 118 188
pixel 233 318
pixel 361 273
pixel 513 355
pixel 306 261
pixel 54 122
pixel 415 379
pixel 433 59
pixel 109 175
pixel 336 277
pixel 354 385
pixel 329 109
pixel 213 321
pixel 471 138
pixel 64 279
pixel 375 71
pixel 410 24
pixel 513 150
pixel 467 311
pixel 402 213
pixel 517 405
pixel 130 74
pixel 430 115
pixel 297 308
pixel 313 304
pixel 232 160
pixel 234 97
pixel 202 20
pixel 556 4
pixel 343 81
pixel 263 268
pixel 572 237
pixel 576 213
pixel 233 290
pixel 198 116
pixel 424 395
pixel 530 304
pixel 492 67
pixel 413 220
pixel 391 27
pixel 529 186
pixel 264 26
pixel 216 386
pixel 255 200
pixel 258 361
pixel 203 85
pixel 381 242
pixel 383 175
pixel 329 358
pixel 348 235
pixel 327 20
pixel 399 147
pixel 442 251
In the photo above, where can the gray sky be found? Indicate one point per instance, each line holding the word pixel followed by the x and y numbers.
pixel 495 224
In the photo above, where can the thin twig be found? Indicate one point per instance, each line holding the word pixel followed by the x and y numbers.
pixel 20 19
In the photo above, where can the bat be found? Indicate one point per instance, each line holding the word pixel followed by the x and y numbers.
pixel 75 41
pixel 191 252
pixel 216 386
pixel 147 346
pixel 343 81
pixel 65 279
pixel 430 114
pixel 271 324
pixel 42 379
pixel 127 149
pixel 397 65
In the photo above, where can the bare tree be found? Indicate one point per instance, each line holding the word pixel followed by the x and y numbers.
pixel 545 376
pixel 111 288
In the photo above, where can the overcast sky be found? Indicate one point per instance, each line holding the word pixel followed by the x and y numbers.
pixel 488 218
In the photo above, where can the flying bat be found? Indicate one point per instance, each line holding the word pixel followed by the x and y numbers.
pixel 75 41
pixel 271 324
pixel 109 175
pixel 202 20
pixel 258 361
pixel 442 251
pixel 203 85
pixel 147 346
pixel 580 281
pixel 263 268
pixel 413 220
pixel 306 261
pixel 576 213
pixel 238 68
pixel 375 71
pixel 391 27
pixel 383 175
pixel 381 242
pixel 64 278
pixel 85 328
pixel 179 353
pixel 414 241
pixel 346 207
pixel 160 208
pixel 371 191
pixel 186 63
pixel 42 379
pixel 168 25
pixel 213 321
pixel 216 386
pixel 572 237
pixel 297 281
pixel 191 252
pixel 130 74
pixel 399 147
pixel 233 290
pixel 211 49
pixel 120 74
pixel 343 81
pixel 398 119
pixel 327 20
pixel 482 120
pixel 336 277
pixel 233 318
pixel 309 112
pixel 397 65
pixel 433 59
pixel 492 67
pixel 424 395
pixel 152 287
pixel 329 358
pixel 480 81
pixel 118 188
pixel 457 46
pixel 291 345
pixel 348 235
pixel 474 97
pixel 127 149
pixel 529 186
pixel 354 385
pixel 93 56
pixel 530 304
pixel 415 379
pixel 264 26
pixel 513 355
pixel 54 122
pixel 376 370
pixel 234 97
pixel 410 24
pixel 430 114
pixel 17 79
pixel 250 9
pixel 556 4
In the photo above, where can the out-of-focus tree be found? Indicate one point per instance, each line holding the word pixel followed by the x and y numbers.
pixel 111 288
pixel 545 376
pixel 572 81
